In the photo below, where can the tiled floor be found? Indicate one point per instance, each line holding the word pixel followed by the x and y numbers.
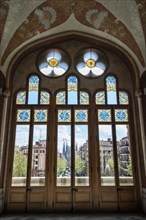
pixel 95 216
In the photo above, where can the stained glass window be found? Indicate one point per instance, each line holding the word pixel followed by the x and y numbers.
pixel 45 98
pixel 104 115
pixel 72 90
pixel 23 115
pixel 121 115
pixel 40 115
pixel 81 115
pixel 123 98
pixel 33 90
pixel 61 98
pixel 91 63
pixel 100 98
pixel 53 63
pixel 84 98
pixel 64 116
pixel 111 90
pixel 21 98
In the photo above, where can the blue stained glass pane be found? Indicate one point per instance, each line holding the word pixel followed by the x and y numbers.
pixel 64 115
pixel 40 115
pixel 81 116
pixel 123 98
pixel 104 115
pixel 121 115
pixel 100 98
pixel 111 90
pixel 21 98
pixel 60 98
pixel 84 98
pixel 72 90
pixel 33 90
pixel 34 79
pixel 45 98
pixel 23 115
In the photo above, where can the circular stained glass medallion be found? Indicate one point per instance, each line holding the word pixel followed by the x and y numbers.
pixel 24 116
pixel 81 116
pixel 121 115
pixel 104 115
pixel 40 116
pixel 64 116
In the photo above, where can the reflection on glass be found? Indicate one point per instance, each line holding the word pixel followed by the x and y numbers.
pixel 23 115
pixel 84 98
pixel 123 98
pixel 72 90
pixel 33 90
pixel 64 155
pixel 60 98
pixel 100 98
pixel 21 98
pixel 38 163
pixel 124 155
pixel 106 155
pixel 111 90
pixel 20 156
pixel 81 115
pixel 45 98
pixel 81 156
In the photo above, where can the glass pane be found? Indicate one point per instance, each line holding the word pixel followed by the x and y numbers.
pixel 106 155
pixel 64 116
pixel 38 163
pixel 33 90
pixel 72 90
pixel 84 98
pixel 40 115
pixel 60 98
pixel 123 98
pixel 45 98
pixel 104 115
pixel 111 90
pixel 121 115
pixel 23 115
pixel 19 173
pixel 21 98
pixel 124 155
pixel 100 98
pixel 81 115
pixel 64 155
pixel 81 156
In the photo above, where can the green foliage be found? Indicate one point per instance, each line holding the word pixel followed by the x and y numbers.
pixel 20 164
pixel 80 165
pixel 110 162
pixel 129 167
pixel 61 165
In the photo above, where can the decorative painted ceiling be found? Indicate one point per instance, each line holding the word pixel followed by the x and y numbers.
pixel 120 21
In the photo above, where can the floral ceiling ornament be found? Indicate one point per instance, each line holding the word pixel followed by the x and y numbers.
pixel 47 16
pixel 96 18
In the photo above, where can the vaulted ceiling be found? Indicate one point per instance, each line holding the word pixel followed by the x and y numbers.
pixel 120 21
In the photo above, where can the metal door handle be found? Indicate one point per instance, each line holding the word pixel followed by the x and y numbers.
pixel 29 189
pixel 74 189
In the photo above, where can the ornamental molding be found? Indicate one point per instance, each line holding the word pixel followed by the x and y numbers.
pixel 138 93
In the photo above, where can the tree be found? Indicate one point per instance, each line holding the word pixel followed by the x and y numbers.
pixel 110 162
pixel 129 167
pixel 61 166
pixel 20 164
pixel 80 166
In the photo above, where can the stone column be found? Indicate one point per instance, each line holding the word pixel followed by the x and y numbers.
pixel 6 94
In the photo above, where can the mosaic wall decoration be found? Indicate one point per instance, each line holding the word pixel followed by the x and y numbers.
pixel 104 115
pixel 121 115
pixel 84 98
pixel 40 115
pixel 45 98
pixel 21 98
pixel 64 115
pixel 61 98
pixel 23 115
pixel 100 98
pixel 81 115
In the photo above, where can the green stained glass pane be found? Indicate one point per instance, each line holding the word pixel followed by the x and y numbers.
pixel 123 98
pixel 21 98
pixel 60 98
pixel 104 115
pixel 64 116
pixel 40 115
pixel 121 115
pixel 45 98
pixel 23 115
pixel 81 115
pixel 84 98
pixel 100 98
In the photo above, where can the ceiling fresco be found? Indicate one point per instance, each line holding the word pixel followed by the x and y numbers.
pixel 23 21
